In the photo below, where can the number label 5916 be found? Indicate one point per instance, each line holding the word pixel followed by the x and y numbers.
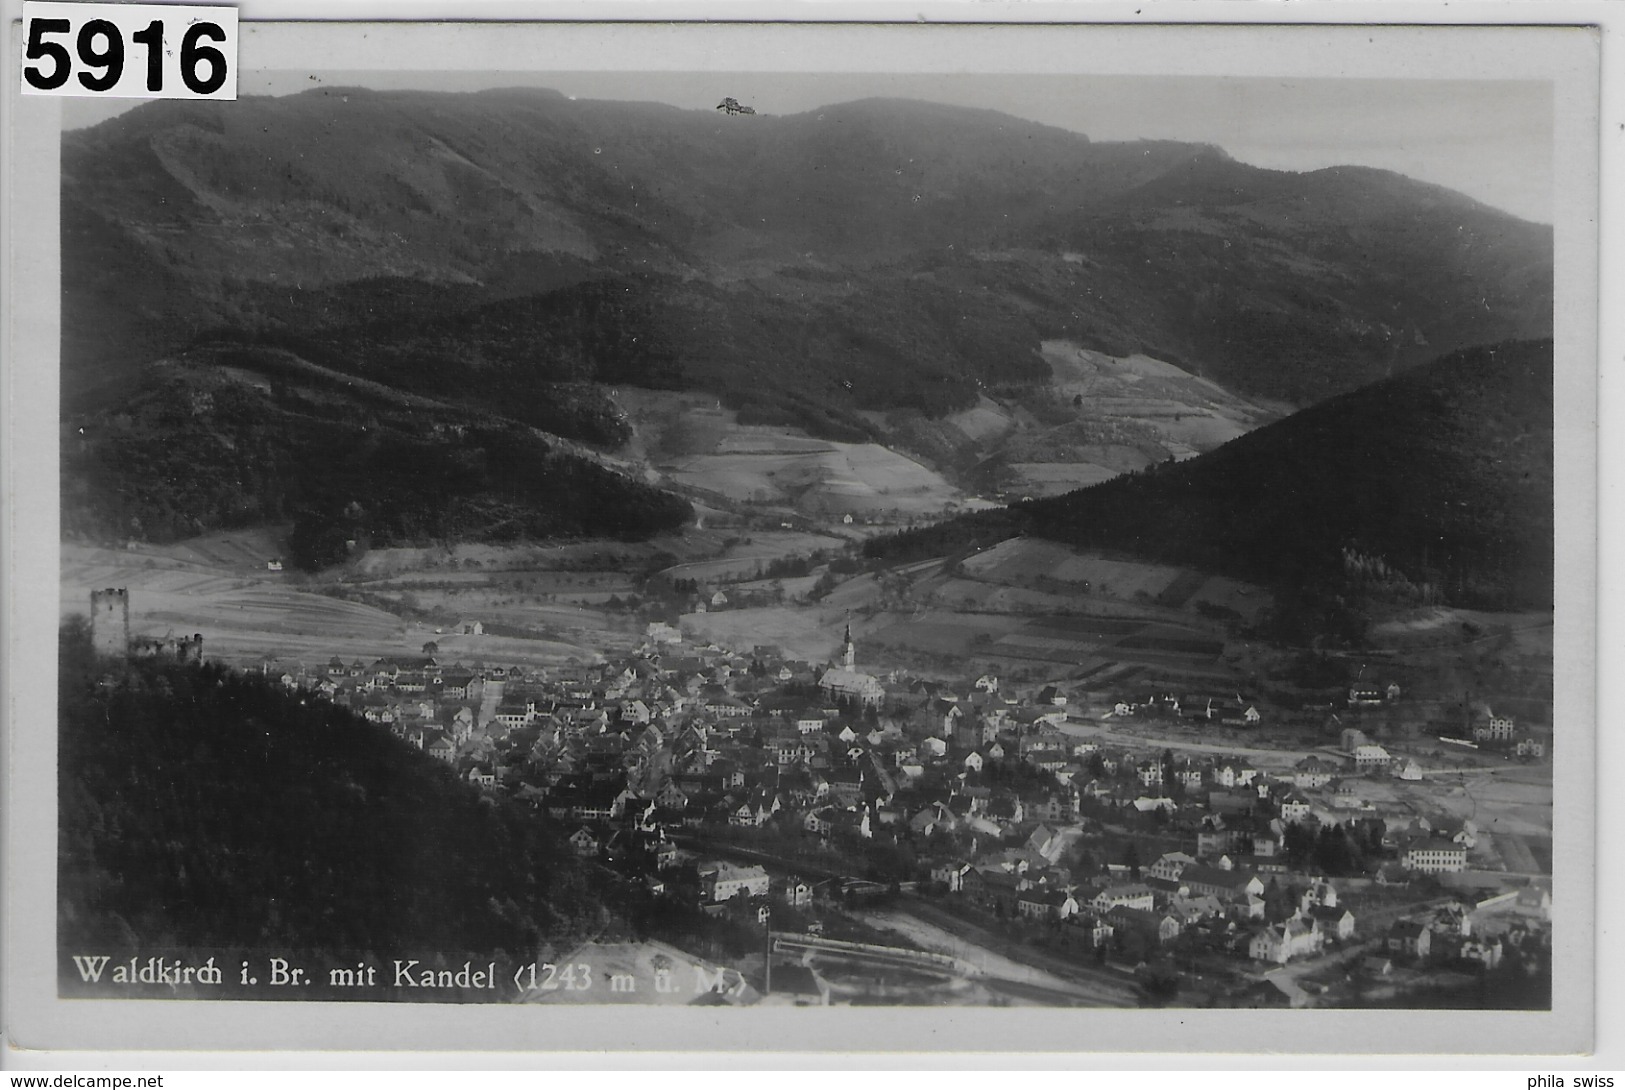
pixel 129 51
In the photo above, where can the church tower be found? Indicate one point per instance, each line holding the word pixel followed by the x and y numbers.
pixel 849 652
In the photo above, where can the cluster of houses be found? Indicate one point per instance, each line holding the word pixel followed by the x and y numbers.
pixel 1216 905
pixel 1225 709
pixel 990 788
pixel 1501 732
pixel 1449 932
pixel 1470 723
pixel 433 706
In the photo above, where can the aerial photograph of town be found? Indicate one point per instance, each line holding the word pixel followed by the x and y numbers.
pixel 876 542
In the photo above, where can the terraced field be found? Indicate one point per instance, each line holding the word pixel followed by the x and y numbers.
pixel 694 443
pixel 1126 413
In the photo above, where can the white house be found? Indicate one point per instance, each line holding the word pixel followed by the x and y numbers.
pixel 1282 942
pixel 1435 856
pixel 1370 757
pixel 724 881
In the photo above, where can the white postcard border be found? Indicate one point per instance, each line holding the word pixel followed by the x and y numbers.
pixel 35 1018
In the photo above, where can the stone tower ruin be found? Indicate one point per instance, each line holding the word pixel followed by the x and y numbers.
pixel 110 621
pixel 179 648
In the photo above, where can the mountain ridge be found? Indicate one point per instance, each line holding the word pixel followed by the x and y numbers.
pixel 852 271
pixel 331 188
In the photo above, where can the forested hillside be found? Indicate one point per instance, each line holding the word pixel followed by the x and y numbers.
pixel 1436 484
pixel 202 809
pixel 227 436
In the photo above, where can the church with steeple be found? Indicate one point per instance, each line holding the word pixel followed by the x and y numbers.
pixel 846 684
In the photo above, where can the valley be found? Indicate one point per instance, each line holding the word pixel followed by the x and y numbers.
pixel 1085 563
pixel 1076 657
pixel 789 535
pixel 1027 608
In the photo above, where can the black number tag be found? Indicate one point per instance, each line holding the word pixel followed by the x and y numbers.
pixel 129 50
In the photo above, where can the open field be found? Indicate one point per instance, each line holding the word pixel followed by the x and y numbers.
pixel 746 557
pixel 832 479
pixel 944 632
pixel 796 587
pixel 1514 852
pixel 248 615
pixel 87 567
pixel 1094 649
pixel 1039 480
pixel 1125 413
pixel 978 596
pixel 540 603
pixel 1085 615
pixel 232 550
pixel 564 585
pixel 533 613
pixel 1200 432
pixel 727 570
pixel 1096 618
pixel 1101 416
pixel 693 543
pixel 984 421
pixel 1501 805
pixel 1028 607
pixel 1132 412
pixel 1029 560
pixel 1155 384
pixel 1510 804
pixel 696 444
pixel 770 544
pixel 239 618
pixel 1050 566
pixel 379 563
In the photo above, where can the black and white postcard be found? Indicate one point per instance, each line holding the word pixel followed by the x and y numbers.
pixel 915 536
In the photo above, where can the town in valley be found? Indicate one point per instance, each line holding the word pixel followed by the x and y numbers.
pixel 875 552
pixel 882 833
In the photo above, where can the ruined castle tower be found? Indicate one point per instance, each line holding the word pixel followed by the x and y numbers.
pixel 190 650
pixel 110 621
